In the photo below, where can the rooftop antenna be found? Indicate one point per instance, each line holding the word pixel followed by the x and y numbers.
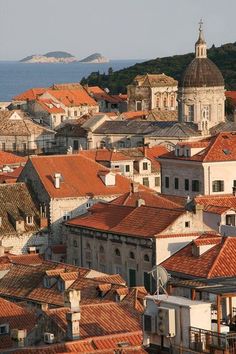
pixel 161 277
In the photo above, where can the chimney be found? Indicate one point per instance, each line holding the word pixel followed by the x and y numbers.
pixel 199 211
pixel 134 187
pixel 72 300
pixel 19 335
pixel 140 202
pixel 57 180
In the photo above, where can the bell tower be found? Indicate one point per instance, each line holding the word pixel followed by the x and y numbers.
pixel 200 45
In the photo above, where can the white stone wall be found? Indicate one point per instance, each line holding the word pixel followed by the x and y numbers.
pixel 19 244
pixel 199 98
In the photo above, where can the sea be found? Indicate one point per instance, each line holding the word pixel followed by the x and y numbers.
pixel 16 77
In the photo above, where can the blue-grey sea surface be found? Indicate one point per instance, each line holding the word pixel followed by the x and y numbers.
pixel 17 77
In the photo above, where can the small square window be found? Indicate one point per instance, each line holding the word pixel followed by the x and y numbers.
pixel 187 223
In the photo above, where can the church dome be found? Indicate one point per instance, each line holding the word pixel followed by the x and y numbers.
pixel 201 72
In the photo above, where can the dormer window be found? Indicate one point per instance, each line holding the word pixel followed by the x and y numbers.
pixel 29 220
pixel 230 220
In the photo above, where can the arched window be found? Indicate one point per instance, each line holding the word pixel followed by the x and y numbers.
pixel 165 101
pixel 117 252
pixel 101 249
pixel 172 101
pixel 158 102
pixel 146 258
pixel 131 255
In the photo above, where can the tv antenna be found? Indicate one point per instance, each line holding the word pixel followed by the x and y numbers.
pixel 161 277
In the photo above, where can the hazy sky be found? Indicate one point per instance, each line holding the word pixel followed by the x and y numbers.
pixel 119 29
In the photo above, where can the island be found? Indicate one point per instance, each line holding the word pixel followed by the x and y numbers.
pixel 95 58
pixel 51 57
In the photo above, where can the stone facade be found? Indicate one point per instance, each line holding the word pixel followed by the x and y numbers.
pixel 131 256
pixel 201 93
pixel 149 92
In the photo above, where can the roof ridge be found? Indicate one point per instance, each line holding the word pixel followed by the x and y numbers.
pixel 225 241
pixel 211 145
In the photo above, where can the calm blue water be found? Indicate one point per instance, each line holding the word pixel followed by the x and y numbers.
pixel 17 77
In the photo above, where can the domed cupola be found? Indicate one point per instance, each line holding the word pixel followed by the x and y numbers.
pixel 201 71
pixel 201 93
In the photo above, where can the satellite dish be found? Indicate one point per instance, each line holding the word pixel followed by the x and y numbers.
pixel 161 277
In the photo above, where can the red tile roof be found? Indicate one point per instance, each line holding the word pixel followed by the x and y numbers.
pixel 134 115
pixel 17 317
pixel 99 94
pixel 221 147
pixel 217 204
pixel 143 221
pixel 7 158
pixel 49 106
pixel 101 319
pixel 150 198
pixel 218 261
pixel 80 176
pixel 99 345
pixel 30 94
pixel 232 95
pixel 72 98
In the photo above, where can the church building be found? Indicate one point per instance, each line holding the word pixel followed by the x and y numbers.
pixel 201 93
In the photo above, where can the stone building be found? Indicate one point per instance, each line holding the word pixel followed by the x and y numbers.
pixel 54 105
pixel 205 167
pixel 152 91
pixel 23 225
pixel 69 184
pixel 138 164
pixel 201 94
pixel 130 240
pixel 19 133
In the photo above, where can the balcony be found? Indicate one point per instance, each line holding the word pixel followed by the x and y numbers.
pixel 203 341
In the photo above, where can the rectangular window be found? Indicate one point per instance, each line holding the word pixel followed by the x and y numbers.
pixel 176 183
pixel 234 183
pixel 118 270
pixel 186 184
pixel 218 186
pixel 167 182
pixel 132 277
pixel 14 146
pixel 146 181
pixel 145 166
pixel 187 223
pixel 195 185
pixel 138 105
pixel 230 220
pixel 157 181
pixel 75 145
pixel 127 168
pixel 3 146
pixel 147 280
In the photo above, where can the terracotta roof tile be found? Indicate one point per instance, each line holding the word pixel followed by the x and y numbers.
pixel 7 158
pixel 221 147
pixel 142 221
pixel 100 319
pixel 218 261
pixel 217 203
pixel 79 174
pixel 17 317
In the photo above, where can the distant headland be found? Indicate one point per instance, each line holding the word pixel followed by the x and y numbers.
pixel 63 57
